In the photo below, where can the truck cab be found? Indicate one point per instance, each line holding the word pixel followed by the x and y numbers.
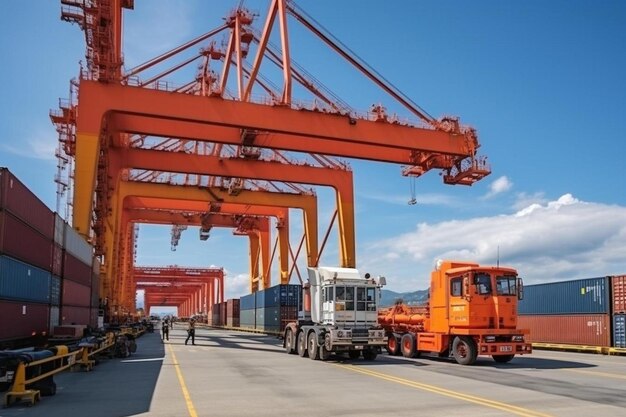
pixel 340 314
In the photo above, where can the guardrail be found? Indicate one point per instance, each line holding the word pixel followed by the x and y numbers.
pixel 35 378
pixel 580 348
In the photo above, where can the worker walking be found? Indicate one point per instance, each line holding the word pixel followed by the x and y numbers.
pixel 191 332
pixel 165 329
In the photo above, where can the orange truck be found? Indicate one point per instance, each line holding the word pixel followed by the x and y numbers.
pixel 472 311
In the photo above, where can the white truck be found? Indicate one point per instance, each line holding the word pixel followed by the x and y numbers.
pixel 339 315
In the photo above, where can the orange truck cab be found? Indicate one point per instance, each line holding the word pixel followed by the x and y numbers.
pixel 472 311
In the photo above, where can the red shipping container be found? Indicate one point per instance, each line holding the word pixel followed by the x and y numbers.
pixel 232 308
pixel 24 243
pixel 20 320
pixel 619 294
pixel 575 329
pixel 75 315
pixel 75 270
pixel 75 294
pixel 23 204
pixel 57 260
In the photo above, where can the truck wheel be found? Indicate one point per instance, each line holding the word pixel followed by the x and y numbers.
pixel 393 347
pixel 289 342
pixel 354 354
pixel 301 344
pixel 314 352
pixel 503 358
pixel 408 345
pixel 369 355
pixel 464 350
pixel 325 348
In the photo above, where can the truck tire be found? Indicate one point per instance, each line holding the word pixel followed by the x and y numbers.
pixel 325 348
pixel 464 350
pixel 407 344
pixel 301 344
pixel 369 354
pixel 503 358
pixel 314 351
pixel 289 342
pixel 393 345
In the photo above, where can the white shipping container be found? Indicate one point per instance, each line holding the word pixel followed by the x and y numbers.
pixel 59 230
pixel 77 246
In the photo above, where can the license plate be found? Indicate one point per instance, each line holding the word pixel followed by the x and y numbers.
pixel 506 348
pixel 358 347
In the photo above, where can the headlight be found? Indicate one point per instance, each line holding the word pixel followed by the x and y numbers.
pixel 490 339
pixel 518 338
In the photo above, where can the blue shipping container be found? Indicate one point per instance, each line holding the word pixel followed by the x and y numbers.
pixel 619 330
pixel 55 290
pixel 24 282
pixel 248 302
pixel 247 319
pixel 582 296
pixel 282 295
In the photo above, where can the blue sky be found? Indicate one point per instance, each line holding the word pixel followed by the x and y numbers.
pixel 542 82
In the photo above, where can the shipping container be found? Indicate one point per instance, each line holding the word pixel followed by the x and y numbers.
pixel 23 282
pixel 619 330
pixel 232 308
pixel 78 246
pixel 247 302
pixel 572 329
pixel 20 241
pixel 75 294
pixel 20 320
pixel 247 319
pixel 57 260
pixel 16 198
pixel 280 295
pixel 95 283
pixel 75 315
pixel 93 317
pixel 274 319
pixel 74 269
pixel 55 290
pixel 581 296
pixel 54 318
pixel 59 230
pixel 232 321
pixel 619 294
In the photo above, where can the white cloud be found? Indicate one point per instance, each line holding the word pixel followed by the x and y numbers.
pixel 563 239
pixel 41 145
pixel 523 200
pixel 236 286
pixel 499 186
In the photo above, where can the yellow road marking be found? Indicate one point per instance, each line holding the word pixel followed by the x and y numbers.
pixel 181 380
pixel 448 393
pixel 610 375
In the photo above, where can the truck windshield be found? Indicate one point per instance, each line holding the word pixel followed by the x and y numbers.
pixel 506 285
pixel 365 298
pixel 483 283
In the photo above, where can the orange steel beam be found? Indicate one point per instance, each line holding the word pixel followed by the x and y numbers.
pixel 341 180
pixel 305 131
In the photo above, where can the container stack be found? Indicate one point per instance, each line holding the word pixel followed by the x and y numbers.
pixel 618 286
pixel 271 309
pixel 576 312
pixel 45 266
pixel 218 315
pixel 232 313
pixel 26 250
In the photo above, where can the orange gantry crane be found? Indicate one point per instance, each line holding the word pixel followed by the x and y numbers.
pixel 117 106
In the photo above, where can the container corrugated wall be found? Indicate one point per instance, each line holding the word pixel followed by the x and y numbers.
pixel 54 318
pixel 57 260
pixel 247 302
pixel 75 294
pixel 76 270
pixel 77 246
pixel 578 329
pixel 59 230
pixel 16 198
pixel 21 320
pixel 619 294
pixel 20 281
pixel 20 241
pixel 619 330
pixel 55 291
pixel 281 295
pixel 232 312
pixel 247 319
pixel 75 315
pixel 582 296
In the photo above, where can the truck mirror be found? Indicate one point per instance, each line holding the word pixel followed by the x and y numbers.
pixel 382 281
pixel 520 289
